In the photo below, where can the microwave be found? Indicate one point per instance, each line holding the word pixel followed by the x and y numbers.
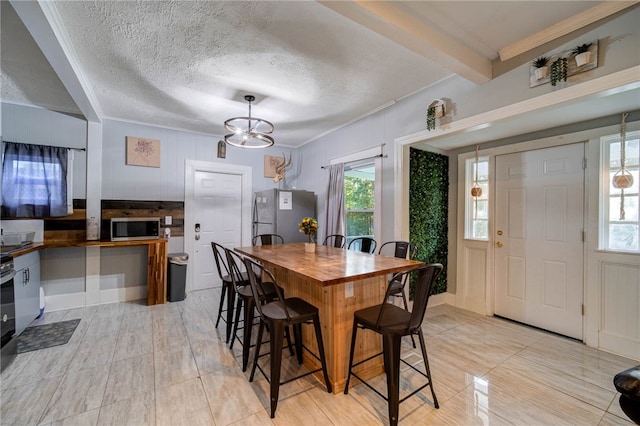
pixel 135 228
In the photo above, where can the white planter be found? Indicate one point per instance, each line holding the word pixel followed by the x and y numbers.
pixel 310 247
pixel 439 111
pixel 583 58
pixel 541 72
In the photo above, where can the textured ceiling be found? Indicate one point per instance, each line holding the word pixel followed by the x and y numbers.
pixel 188 64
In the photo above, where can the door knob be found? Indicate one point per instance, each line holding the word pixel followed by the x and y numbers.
pixel 499 244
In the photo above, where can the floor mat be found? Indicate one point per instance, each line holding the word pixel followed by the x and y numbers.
pixel 46 336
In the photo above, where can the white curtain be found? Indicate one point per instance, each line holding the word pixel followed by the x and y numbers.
pixel 335 214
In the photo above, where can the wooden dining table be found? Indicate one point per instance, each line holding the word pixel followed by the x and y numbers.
pixel 338 282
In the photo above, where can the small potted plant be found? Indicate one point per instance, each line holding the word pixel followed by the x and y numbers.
pixel 541 68
pixel 582 54
pixel 434 110
pixel 309 227
pixel 559 69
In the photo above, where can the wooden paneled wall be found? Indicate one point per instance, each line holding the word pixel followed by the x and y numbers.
pixel 132 208
pixel 68 228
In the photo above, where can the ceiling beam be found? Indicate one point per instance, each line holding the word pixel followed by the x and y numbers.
pixel 564 27
pixel 386 19
pixel 42 21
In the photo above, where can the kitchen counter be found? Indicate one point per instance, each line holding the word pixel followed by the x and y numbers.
pixel 156 254
pixel 19 250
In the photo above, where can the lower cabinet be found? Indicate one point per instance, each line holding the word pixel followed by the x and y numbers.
pixel 27 289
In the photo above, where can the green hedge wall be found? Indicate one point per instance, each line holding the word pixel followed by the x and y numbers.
pixel 428 210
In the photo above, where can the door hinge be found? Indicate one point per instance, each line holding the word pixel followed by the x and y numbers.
pixel 584 236
pixel 583 309
pixel 584 163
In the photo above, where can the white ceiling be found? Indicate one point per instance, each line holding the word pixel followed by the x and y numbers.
pixel 313 66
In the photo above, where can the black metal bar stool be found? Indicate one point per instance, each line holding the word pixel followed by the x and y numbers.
pixel 363 244
pixel 245 300
pixel 228 294
pixel 267 240
pixel 402 250
pixel 277 315
pixel 335 240
pixel 393 322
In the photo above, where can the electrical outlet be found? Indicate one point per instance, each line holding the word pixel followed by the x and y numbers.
pixel 348 289
pixel 168 220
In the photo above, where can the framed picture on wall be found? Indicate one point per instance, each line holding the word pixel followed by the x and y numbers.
pixel 270 164
pixel 143 152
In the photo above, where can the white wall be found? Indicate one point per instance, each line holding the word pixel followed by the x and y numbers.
pixel 39 126
pixel 619 47
pixel 122 182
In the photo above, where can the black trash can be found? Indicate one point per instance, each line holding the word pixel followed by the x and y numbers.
pixel 176 276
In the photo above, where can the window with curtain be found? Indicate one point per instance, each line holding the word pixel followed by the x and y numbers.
pixel 34 180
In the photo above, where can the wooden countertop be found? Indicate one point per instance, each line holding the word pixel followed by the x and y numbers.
pixel 328 265
pixel 61 244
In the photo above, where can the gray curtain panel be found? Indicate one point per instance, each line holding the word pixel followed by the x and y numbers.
pixel 34 180
pixel 335 214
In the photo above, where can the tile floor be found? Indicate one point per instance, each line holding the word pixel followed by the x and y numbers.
pixel 129 364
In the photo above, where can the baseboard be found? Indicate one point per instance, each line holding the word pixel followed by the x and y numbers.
pixel 123 294
pixel 61 302
pixel 442 299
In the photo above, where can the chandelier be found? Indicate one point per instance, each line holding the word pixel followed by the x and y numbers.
pixel 249 132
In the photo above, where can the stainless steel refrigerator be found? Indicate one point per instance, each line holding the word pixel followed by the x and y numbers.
pixel 277 211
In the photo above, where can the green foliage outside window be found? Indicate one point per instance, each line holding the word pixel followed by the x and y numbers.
pixel 428 210
pixel 359 200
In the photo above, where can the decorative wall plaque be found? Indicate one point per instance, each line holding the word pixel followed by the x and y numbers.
pixel 143 152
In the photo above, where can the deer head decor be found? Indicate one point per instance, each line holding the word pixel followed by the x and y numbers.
pixel 282 168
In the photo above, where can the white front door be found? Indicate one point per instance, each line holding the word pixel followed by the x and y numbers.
pixel 539 238
pixel 218 217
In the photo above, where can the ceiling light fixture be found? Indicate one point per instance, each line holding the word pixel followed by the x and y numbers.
pixel 249 132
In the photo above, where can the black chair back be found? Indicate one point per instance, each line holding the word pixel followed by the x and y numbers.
pixel 363 244
pixel 267 240
pixel 401 249
pixel 335 240
pixel 426 277
pixel 255 270
pixel 220 258
pixel 234 260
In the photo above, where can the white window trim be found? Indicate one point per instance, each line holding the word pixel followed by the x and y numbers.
pixel 373 154
pixel 468 205
pixel 603 193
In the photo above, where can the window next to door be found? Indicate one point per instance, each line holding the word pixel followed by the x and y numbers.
pixel 477 208
pixel 619 217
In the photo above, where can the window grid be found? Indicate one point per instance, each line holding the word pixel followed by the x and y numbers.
pixel 477 208
pixel 618 233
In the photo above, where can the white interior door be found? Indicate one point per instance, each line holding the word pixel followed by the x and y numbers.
pixel 538 236
pixel 217 217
